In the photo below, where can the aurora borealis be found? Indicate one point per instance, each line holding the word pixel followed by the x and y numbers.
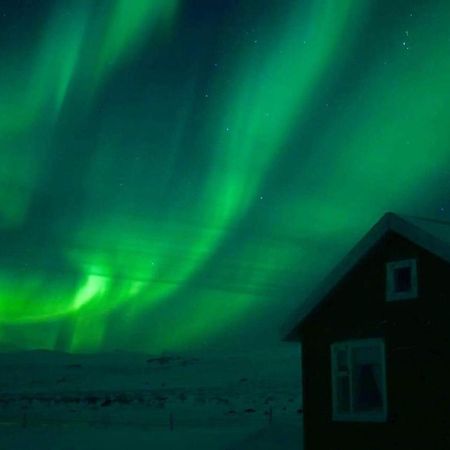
pixel 176 174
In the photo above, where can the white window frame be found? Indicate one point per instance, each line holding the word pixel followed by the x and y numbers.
pixel 356 416
pixel 391 293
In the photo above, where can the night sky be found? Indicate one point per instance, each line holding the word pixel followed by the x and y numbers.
pixel 177 174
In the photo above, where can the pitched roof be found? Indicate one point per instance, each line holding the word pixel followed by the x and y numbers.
pixel 432 235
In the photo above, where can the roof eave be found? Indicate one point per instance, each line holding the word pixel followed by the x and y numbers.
pixel 389 221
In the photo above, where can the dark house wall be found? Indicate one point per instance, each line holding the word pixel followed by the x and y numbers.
pixel 417 345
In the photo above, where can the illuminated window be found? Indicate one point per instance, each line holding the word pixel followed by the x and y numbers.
pixel 359 381
pixel 401 280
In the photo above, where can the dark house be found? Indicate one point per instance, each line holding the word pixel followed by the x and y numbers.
pixel 376 343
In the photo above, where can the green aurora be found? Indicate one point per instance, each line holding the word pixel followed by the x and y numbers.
pixel 176 174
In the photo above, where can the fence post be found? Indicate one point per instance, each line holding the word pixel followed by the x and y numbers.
pixel 171 422
pixel 24 419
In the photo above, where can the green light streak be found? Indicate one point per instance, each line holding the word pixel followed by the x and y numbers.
pixel 32 89
pixel 95 286
pixel 32 92
pixel 32 297
pixel 129 25
pixel 395 150
pixel 250 146
pixel 387 148
pixel 273 95
pixel 170 195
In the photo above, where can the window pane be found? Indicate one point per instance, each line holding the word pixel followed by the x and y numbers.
pixel 343 394
pixel 342 362
pixel 367 379
pixel 402 279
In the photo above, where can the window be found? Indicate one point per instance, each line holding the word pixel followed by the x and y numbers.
pixel 359 381
pixel 401 280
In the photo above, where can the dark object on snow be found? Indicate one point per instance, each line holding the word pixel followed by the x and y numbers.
pixel 106 402
pixel 375 342
pixel 92 399
pixel 269 413
pixel 163 360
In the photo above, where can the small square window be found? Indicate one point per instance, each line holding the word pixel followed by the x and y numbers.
pixel 401 280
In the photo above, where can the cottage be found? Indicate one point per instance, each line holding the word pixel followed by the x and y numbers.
pixel 375 342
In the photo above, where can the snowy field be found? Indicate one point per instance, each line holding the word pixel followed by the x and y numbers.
pixel 270 437
pixel 69 402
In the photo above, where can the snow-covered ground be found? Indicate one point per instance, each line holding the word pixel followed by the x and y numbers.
pixel 59 401
pixel 276 436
